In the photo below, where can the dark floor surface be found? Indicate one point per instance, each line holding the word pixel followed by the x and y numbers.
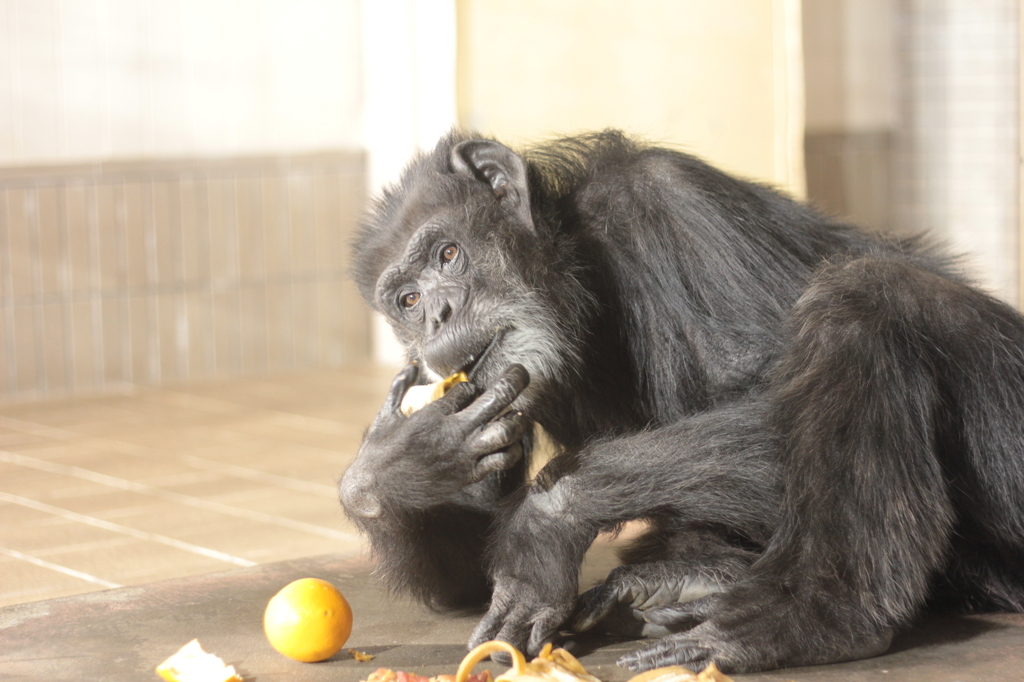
pixel 122 634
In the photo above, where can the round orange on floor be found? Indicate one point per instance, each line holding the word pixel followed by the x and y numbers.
pixel 308 620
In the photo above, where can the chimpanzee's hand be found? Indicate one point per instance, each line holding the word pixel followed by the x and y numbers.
pixel 426 458
pixel 536 554
pixel 525 613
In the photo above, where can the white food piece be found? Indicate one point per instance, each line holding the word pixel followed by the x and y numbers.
pixel 192 664
pixel 418 397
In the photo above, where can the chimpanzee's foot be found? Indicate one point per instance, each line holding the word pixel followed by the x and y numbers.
pixel 770 630
pixel 654 599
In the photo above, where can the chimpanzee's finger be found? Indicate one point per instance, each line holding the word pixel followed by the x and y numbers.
pixel 516 631
pixel 399 385
pixel 496 461
pixel 457 398
pixel 545 628
pixel 502 433
pixel 593 606
pixel 489 626
pixel 499 396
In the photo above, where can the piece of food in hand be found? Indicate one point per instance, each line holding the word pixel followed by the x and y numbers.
pixel 308 620
pixel 552 665
pixel 418 397
pixel 192 664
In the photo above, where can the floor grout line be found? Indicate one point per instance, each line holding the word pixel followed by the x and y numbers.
pixel 35 428
pixel 181 498
pixel 260 476
pixel 125 530
pixel 57 567
pixel 92 545
pixel 228 489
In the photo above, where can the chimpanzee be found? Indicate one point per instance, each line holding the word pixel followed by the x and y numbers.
pixel 822 428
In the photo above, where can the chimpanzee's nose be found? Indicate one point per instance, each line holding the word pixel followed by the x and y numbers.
pixel 356 498
pixel 442 304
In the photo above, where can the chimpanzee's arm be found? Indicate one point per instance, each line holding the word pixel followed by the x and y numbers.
pixel 437 554
pixel 717 470
pixel 425 488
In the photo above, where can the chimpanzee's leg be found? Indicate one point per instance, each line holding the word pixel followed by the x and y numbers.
pixel 670 579
pixel 714 471
pixel 868 380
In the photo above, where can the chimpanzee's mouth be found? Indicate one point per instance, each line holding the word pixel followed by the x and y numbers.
pixel 476 361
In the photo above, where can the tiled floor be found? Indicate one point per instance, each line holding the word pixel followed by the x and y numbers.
pixel 163 483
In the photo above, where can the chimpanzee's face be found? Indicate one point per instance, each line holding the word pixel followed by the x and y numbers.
pixel 462 275
pixel 460 303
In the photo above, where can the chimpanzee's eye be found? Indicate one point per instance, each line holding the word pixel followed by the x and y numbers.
pixel 450 253
pixel 410 299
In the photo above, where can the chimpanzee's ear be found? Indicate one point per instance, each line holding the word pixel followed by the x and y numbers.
pixel 498 166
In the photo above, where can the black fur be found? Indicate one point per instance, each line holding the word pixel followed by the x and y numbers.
pixel 823 427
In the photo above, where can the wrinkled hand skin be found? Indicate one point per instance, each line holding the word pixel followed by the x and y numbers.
pixel 523 616
pixel 535 558
pixel 426 458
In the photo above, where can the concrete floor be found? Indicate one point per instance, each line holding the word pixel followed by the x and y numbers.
pixel 197 503
pixel 170 482
pixel 121 635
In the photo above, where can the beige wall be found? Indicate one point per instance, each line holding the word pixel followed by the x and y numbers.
pixel 89 79
pixel 852 68
pixel 215 242
pixel 720 79
pixel 151 272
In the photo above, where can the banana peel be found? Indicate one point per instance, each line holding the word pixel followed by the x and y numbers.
pixel 558 665
pixel 552 665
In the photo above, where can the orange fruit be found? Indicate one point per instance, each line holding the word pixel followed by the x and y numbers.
pixel 308 620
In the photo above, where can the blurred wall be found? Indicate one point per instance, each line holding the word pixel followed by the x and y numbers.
pixel 409 99
pixel 178 182
pixel 913 123
pixel 87 79
pixel 958 159
pixel 853 75
pixel 719 79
